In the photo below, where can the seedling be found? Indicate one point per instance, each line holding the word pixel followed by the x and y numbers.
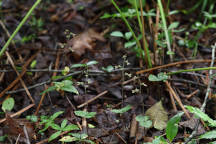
pixel 76 137
pixel 62 128
pixel 65 85
pixel 49 121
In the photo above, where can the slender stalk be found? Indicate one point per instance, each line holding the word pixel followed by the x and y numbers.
pixel 19 27
pixel 146 49
pixel 165 28
pixel 192 70
pixel 129 27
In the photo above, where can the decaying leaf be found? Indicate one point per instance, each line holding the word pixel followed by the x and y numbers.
pixel 84 41
pixel 14 127
pixel 158 116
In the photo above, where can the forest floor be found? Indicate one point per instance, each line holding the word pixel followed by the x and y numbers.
pixel 65 63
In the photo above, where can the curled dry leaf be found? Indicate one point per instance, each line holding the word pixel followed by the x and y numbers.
pixel 84 41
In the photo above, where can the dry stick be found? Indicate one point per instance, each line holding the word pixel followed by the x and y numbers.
pixel 172 101
pixel 192 94
pixel 20 76
pixel 74 108
pixel 41 100
pixel 105 92
pixel 93 99
pixel 18 113
pixel 84 122
pixel 143 36
pixel 206 96
pixel 26 135
pixel 119 136
pixel 173 64
pixel 133 127
pixel 177 99
pixel 22 82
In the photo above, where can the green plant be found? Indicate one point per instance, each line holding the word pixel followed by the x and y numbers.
pixel 145 57
pixel 8 104
pixel 160 77
pixel 85 114
pixel 19 27
pixel 144 121
pixel 130 43
pixel 48 121
pixel 36 23
pixel 76 137
pixel 2 138
pixel 122 110
pixel 172 126
pixel 63 127
pixel 85 71
pixel 65 85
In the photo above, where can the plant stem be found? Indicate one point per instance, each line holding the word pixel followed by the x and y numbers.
pixel 191 70
pixel 165 28
pixel 19 27
pixel 129 27
pixel 145 45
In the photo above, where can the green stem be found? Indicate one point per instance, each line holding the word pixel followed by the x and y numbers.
pixel 129 27
pixel 165 27
pixel 19 27
pixel 191 70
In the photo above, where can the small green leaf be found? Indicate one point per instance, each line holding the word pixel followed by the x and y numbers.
pixel 202 115
pixel 209 135
pixel 129 44
pixel 64 123
pixel 8 104
pixel 91 125
pixel 170 53
pixel 172 126
pixel 91 63
pixel 54 136
pixel 78 65
pixel 32 118
pixel 160 77
pixel 33 64
pixel 89 141
pixel 55 115
pixel 173 25
pixel 52 88
pixel 70 88
pixel 68 139
pixel 71 127
pixel 85 114
pixel 117 34
pixel 55 126
pixel 108 68
pixel 79 136
pixel 122 110
pixel 3 138
pixel 144 121
pixel 128 35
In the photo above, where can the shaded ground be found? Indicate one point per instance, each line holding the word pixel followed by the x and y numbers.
pixel 61 34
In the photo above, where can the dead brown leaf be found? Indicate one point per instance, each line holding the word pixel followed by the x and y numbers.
pixel 84 41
